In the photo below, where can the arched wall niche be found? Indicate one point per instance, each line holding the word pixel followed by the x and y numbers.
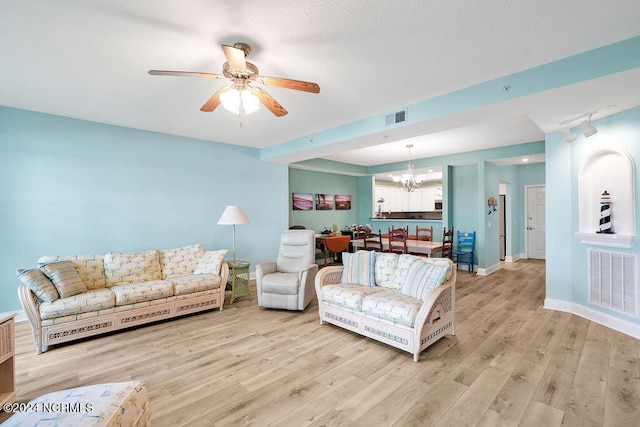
pixel 611 170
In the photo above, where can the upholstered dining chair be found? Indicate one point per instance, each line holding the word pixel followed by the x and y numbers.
pixel 447 242
pixel 288 283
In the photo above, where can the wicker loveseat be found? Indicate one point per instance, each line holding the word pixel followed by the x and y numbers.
pixel 77 296
pixel 405 301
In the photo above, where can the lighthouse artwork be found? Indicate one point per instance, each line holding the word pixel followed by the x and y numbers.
pixel 605 214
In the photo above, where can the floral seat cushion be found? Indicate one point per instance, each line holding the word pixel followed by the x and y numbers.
pixel 194 283
pixel 92 300
pixel 114 404
pixel 348 296
pixel 392 306
pixel 132 293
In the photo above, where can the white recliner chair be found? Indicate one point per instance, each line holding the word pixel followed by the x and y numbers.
pixel 288 283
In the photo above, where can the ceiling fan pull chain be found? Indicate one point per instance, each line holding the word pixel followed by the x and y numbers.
pixel 241 109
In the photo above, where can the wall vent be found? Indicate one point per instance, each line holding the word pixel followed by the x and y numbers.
pixel 613 281
pixel 395 118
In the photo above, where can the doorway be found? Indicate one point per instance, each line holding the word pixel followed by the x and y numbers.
pixel 535 221
pixel 502 212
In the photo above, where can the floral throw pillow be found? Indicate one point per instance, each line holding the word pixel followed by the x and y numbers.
pixel 211 262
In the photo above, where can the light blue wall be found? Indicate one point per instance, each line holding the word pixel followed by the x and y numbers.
pixel 305 181
pixel 566 275
pixel 465 200
pixel 77 187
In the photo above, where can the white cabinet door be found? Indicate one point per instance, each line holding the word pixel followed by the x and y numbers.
pixel 415 200
pixel 428 199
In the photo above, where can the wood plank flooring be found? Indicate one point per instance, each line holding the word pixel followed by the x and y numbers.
pixel 511 363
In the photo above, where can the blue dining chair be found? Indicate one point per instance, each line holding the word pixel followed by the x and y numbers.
pixel 463 252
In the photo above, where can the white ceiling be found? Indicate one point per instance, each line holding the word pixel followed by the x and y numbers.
pixel 89 60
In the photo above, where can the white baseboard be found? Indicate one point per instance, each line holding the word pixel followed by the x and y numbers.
pixel 513 258
pixel 589 313
pixel 487 271
pixel 21 315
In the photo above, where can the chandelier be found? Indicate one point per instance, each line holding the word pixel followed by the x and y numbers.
pixel 407 181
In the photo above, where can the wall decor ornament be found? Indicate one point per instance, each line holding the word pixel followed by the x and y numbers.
pixel 492 203
pixel 605 225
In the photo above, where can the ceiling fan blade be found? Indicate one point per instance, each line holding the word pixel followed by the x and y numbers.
pixel 235 57
pixel 269 102
pixel 214 101
pixel 185 74
pixel 290 84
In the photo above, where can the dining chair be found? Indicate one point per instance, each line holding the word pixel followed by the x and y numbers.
pixel 373 242
pixel 424 234
pixel 360 234
pixel 398 240
pixel 447 242
pixel 463 253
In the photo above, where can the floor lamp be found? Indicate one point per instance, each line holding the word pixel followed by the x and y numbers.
pixel 233 215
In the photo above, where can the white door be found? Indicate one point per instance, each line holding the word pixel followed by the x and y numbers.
pixel 535 222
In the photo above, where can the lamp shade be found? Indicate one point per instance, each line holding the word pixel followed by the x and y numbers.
pixel 233 215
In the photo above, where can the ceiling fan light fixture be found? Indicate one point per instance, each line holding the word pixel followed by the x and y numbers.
pixel 235 98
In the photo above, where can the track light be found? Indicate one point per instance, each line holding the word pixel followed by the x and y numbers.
pixel 568 135
pixel 588 128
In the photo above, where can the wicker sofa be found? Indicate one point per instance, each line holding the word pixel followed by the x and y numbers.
pixel 405 301
pixel 77 296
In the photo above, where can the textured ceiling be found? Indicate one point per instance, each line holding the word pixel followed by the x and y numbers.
pixel 89 60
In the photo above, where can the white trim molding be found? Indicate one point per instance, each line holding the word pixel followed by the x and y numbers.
pixel 487 271
pixel 610 240
pixel 589 313
pixel 513 258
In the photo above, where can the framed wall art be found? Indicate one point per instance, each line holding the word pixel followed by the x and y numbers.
pixel 343 202
pixel 302 201
pixel 324 202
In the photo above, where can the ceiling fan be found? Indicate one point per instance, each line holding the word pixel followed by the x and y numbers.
pixel 241 97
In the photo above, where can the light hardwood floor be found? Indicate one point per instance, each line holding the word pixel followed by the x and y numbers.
pixel 511 363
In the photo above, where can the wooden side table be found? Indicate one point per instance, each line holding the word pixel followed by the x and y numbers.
pixel 7 360
pixel 239 279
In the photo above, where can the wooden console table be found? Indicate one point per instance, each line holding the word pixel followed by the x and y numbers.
pixel 7 360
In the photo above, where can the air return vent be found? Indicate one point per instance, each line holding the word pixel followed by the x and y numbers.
pixel 395 118
pixel 613 281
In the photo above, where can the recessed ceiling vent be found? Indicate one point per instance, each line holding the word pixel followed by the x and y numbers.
pixel 395 118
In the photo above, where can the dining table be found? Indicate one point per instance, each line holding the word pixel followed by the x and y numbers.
pixel 414 246
pixel 334 244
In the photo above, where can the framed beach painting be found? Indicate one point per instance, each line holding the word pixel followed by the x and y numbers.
pixel 302 201
pixel 324 202
pixel 343 202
